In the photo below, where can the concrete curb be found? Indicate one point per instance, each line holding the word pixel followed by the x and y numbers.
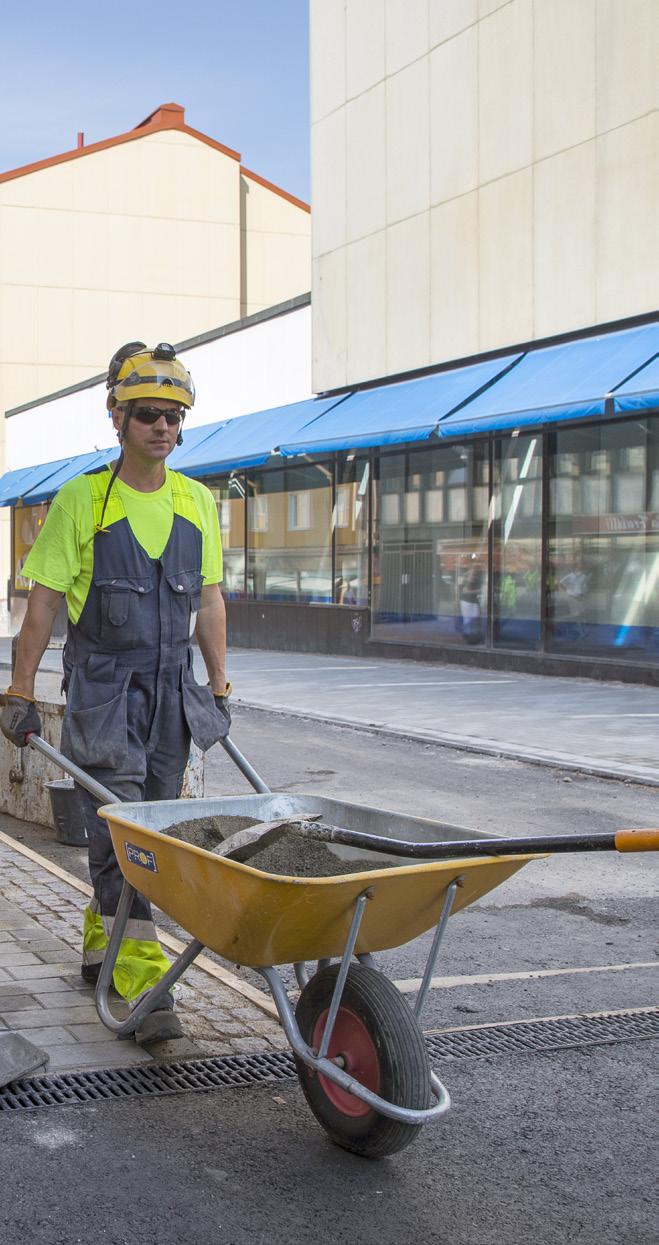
pixel 590 766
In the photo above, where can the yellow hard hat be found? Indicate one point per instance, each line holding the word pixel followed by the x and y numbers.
pixel 137 372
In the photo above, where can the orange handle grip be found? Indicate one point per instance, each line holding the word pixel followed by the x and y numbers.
pixel 637 841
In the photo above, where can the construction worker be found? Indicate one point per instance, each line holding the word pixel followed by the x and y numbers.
pixel 136 550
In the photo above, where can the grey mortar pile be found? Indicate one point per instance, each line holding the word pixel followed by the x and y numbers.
pixel 292 855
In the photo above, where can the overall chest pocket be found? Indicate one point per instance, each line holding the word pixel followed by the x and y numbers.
pixel 128 612
pixel 185 598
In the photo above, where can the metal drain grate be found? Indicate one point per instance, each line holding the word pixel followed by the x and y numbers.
pixel 70 1088
pixel 537 1036
pixel 116 1084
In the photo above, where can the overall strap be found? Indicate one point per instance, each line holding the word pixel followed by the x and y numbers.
pixel 184 499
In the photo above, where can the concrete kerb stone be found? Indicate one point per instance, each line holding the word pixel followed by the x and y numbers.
pixel 483 747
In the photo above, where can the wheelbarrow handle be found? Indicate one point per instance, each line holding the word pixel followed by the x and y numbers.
pixel 108 797
pixel 637 840
pixel 463 849
pixel 95 788
pixel 244 766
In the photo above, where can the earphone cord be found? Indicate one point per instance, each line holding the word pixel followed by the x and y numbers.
pixel 115 471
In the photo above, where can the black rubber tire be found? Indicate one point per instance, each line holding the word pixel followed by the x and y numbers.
pixel 403 1060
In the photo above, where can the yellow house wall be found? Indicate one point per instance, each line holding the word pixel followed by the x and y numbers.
pixel 143 240
pixel 276 247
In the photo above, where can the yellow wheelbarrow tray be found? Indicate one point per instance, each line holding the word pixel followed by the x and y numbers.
pixel 358 1045
pixel 254 918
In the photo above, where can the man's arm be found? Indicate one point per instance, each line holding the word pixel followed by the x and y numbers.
pixel 42 606
pixel 211 632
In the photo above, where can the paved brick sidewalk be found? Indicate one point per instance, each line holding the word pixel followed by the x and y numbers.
pixel 43 996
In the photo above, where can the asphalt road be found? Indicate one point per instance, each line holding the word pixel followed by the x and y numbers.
pixel 562 913
pixel 554 1148
pixel 551 1149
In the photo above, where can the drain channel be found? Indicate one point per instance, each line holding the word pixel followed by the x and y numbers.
pixel 195 1075
pixel 538 1036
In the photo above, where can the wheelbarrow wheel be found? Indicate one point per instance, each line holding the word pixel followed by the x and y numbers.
pixel 377 1036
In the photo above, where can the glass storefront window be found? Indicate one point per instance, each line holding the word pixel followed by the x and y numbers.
pixel 351 532
pixel 430 545
pixel 230 501
pixel 300 533
pixel 517 522
pixel 28 522
pixel 289 527
pixel 604 547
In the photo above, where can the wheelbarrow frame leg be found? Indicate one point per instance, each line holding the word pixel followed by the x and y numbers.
pixel 149 1000
pixel 434 950
pixel 353 933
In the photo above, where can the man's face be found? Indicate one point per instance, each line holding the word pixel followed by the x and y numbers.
pixel 148 441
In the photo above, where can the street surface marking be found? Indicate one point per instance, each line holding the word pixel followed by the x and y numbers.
pixel 292 669
pixel 174 944
pixel 612 715
pixel 429 683
pixel 484 979
pixel 532 1020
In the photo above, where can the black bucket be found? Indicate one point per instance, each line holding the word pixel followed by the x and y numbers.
pixel 67 813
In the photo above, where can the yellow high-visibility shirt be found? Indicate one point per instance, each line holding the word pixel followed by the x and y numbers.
pixel 62 557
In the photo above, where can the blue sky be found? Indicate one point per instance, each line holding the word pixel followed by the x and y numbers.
pixel 239 68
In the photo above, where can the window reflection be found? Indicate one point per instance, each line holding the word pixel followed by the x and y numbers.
pixel 351 531
pixel 230 500
pixel 604 541
pixel 28 522
pixel 289 549
pixel 516 512
pixel 430 545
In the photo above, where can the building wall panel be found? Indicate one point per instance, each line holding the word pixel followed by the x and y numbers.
pixel 544 112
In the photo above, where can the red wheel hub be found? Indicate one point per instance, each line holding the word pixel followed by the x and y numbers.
pixel 353 1042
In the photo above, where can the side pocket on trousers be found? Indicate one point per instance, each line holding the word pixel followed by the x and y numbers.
pixel 201 715
pixel 98 736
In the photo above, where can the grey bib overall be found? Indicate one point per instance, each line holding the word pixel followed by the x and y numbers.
pixel 132 702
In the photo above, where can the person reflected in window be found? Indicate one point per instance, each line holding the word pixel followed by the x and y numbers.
pixel 470 604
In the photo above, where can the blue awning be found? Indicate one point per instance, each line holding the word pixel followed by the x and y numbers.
pixel 47 488
pixel 589 377
pixel 15 484
pixel 70 468
pixel 249 440
pixel 391 414
pixel 193 438
pixel 571 381
pixel 641 391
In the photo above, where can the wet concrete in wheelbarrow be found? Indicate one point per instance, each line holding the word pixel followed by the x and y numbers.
pixel 292 855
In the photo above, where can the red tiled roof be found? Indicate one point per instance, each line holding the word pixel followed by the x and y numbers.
pixel 164 117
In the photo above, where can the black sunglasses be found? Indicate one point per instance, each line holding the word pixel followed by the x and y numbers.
pixel 151 415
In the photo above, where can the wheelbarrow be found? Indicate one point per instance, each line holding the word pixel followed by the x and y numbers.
pixel 358 1045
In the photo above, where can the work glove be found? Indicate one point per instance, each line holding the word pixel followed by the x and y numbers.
pixel 224 712
pixel 19 718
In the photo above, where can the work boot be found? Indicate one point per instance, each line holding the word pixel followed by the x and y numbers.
pixel 161 1025
pixel 90 973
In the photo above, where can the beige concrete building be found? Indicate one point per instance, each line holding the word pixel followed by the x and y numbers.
pixel 484 173
pixel 157 233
